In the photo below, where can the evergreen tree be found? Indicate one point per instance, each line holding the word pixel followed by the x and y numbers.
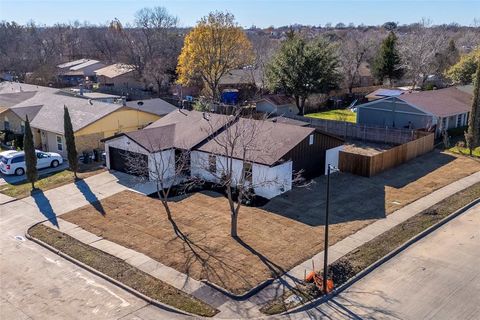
pixel 30 155
pixel 473 135
pixel 303 67
pixel 70 142
pixel 387 62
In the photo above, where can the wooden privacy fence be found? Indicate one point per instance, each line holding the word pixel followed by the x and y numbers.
pixel 358 131
pixel 370 165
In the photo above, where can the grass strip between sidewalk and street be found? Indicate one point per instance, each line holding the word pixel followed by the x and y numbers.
pixel 359 259
pixel 121 271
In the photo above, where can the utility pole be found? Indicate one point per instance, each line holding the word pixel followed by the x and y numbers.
pixel 327 209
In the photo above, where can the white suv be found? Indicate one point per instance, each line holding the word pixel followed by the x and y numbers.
pixel 14 162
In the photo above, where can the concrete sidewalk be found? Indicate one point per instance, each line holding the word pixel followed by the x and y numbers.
pixel 435 278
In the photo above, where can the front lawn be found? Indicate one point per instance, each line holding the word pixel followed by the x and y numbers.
pixel 47 181
pixel 339 115
pixel 288 230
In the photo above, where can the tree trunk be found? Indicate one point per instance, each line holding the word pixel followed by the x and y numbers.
pixel 233 226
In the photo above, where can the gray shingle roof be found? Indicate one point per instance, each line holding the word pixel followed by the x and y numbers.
pixel 442 102
pixel 191 127
pixel 156 106
pixel 48 104
pixel 264 142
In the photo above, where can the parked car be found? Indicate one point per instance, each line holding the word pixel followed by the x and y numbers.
pixel 14 162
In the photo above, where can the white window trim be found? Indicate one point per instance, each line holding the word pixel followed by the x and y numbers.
pixel 311 139
pixel 59 143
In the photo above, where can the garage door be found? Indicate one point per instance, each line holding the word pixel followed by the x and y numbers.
pixel 119 162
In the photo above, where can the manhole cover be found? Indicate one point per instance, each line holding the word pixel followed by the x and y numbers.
pixel 19 238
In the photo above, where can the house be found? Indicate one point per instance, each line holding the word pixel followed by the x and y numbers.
pixel 76 72
pixel 246 82
pixel 383 93
pixel 277 105
pixel 91 120
pixel 278 150
pixel 442 109
pixel 365 77
pixel 119 76
pixel 155 106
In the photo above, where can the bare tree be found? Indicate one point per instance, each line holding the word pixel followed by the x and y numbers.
pixel 152 45
pixel 164 166
pixel 232 155
pixel 355 48
pixel 419 50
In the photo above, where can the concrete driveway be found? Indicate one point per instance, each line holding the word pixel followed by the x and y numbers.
pixel 436 278
pixel 10 179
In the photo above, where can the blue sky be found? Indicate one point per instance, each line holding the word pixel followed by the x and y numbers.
pixel 261 13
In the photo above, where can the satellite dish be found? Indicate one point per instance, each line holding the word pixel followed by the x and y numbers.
pixel 140 103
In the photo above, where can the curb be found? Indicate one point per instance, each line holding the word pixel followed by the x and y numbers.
pixel 373 266
pixel 239 297
pixel 108 278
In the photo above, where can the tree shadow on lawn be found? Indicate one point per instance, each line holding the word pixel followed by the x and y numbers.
pixel 214 266
pixel 84 188
pixel 352 198
pixel 44 206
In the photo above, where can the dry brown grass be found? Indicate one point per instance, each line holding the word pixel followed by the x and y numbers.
pixel 197 241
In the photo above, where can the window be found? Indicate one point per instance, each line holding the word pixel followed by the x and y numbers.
pixel 444 123
pixel 59 143
pixel 247 169
pixel 311 139
pixel 22 127
pixel 6 123
pixel 18 159
pixel 41 155
pixel 212 163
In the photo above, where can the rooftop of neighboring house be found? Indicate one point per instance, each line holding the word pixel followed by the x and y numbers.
pixel 45 108
pixel 85 64
pixel 265 142
pixel 71 63
pixel 241 77
pixel 285 120
pixel 442 102
pixel 114 70
pixel 156 106
pixel 13 87
pixel 383 93
pixel 278 100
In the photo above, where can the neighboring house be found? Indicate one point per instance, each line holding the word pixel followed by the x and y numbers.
pixel 155 106
pixel 76 72
pixel 383 93
pixel 365 77
pixel 277 105
pixel 119 76
pixel 92 120
pixel 247 81
pixel 281 149
pixel 441 109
